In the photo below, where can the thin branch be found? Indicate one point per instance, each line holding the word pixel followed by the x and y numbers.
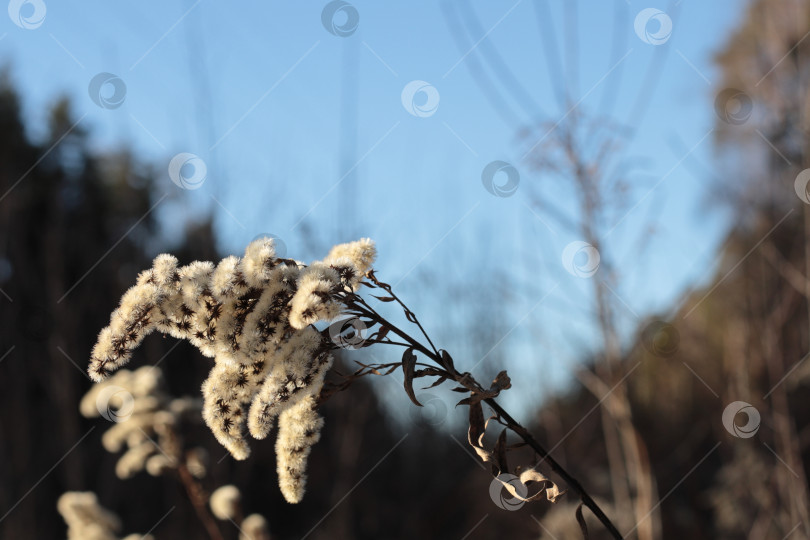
pixel 198 499
pixel 357 305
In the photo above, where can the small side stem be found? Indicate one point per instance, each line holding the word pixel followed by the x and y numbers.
pixel 199 501
pixel 390 291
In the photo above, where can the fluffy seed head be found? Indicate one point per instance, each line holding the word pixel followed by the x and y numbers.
pixel 225 502
pixel 254 316
pixel 254 527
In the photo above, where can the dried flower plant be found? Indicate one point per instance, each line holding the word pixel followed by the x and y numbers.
pixel 146 421
pixel 149 423
pixel 254 315
pixel 88 520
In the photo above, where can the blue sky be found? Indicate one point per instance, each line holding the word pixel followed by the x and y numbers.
pixel 264 94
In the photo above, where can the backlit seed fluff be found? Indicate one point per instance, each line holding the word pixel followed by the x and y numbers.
pixel 312 301
pixel 88 520
pixel 298 374
pixel 299 428
pixel 225 502
pixel 142 420
pixel 254 316
pixel 158 464
pixel 197 462
pixel 254 527
pixel 361 254
pixel 258 262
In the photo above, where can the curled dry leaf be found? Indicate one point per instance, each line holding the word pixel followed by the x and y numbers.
pixel 501 382
pixel 552 490
pixel 408 364
pixel 380 334
pixel 375 369
pixel 549 489
pixel 447 361
pixel 476 432
pixel 475 436
pixel 498 461
pixel 438 381
pixel 499 452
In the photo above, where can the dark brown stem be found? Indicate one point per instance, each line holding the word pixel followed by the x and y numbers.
pixel 357 303
pixel 387 342
pixel 199 500
pixel 360 305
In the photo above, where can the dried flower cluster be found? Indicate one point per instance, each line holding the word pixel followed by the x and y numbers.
pixel 146 422
pixel 87 520
pixel 254 316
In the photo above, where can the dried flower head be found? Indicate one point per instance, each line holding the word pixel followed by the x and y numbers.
pixel 225 502
pixel 87 520
pixel 298 430
pixel 254 316
pixel 254 527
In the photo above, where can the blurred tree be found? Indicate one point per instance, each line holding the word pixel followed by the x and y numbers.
pixel 743 336
pixel 72 223
pixel 764 127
